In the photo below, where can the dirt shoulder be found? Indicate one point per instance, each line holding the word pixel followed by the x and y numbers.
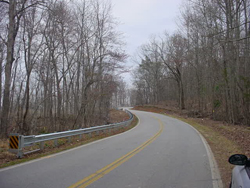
pixel 224 139
pixel 116 116
pixel 8 159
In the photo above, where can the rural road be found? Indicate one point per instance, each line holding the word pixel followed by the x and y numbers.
pixel 160 152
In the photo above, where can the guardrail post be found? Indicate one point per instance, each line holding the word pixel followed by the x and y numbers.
pixel 41 145
pixel 80 136
pixel 69 139
pixel 20 147
pixel 56 142
pixel 90 135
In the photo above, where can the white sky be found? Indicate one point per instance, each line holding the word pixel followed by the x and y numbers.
pixel 141 19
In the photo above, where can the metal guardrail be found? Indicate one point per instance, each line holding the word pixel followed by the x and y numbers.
pixel 18 142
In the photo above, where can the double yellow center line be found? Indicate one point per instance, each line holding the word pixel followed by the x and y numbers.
pixel 100 173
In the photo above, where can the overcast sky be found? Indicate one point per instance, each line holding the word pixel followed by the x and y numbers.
pixel 141 19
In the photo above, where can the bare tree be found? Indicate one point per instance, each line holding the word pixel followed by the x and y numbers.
pixel 60 62
pixel 209 59
pixel 15 14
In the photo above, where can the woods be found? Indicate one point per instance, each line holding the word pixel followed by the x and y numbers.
pixel 60 65
pixel 203 67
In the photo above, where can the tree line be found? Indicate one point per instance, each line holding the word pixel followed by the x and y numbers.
pixel 203 67
pixel 59 64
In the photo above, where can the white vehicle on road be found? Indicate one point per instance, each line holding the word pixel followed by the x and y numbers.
pixel 241 173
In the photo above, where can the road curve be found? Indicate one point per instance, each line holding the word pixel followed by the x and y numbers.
pixel 160 152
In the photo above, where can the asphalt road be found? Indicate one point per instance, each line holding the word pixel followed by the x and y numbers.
pixel 160 152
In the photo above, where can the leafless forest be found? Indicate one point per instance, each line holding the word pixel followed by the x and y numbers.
pixel 60 63
pixel 204 67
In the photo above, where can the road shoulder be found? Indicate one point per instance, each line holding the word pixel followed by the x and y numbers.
pixel 219 137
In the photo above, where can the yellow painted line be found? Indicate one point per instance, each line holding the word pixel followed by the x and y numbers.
pixel 100 173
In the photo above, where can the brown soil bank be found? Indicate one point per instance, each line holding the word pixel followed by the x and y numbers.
pixel 224 139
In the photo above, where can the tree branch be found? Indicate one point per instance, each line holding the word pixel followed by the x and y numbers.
pixel 24 8
pixel 2 1
pixel 4 41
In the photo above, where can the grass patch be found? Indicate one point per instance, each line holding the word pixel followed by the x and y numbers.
pixel 9 159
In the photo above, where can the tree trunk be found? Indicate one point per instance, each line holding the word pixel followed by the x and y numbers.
pixel 9 61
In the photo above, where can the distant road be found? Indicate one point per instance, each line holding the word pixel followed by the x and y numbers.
pixel 161 152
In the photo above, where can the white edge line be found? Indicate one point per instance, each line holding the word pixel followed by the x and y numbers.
pixel 62 152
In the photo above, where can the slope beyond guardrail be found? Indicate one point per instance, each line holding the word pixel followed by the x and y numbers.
pixel 18 142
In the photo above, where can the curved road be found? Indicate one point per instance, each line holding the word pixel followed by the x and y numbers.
pixel 160 152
